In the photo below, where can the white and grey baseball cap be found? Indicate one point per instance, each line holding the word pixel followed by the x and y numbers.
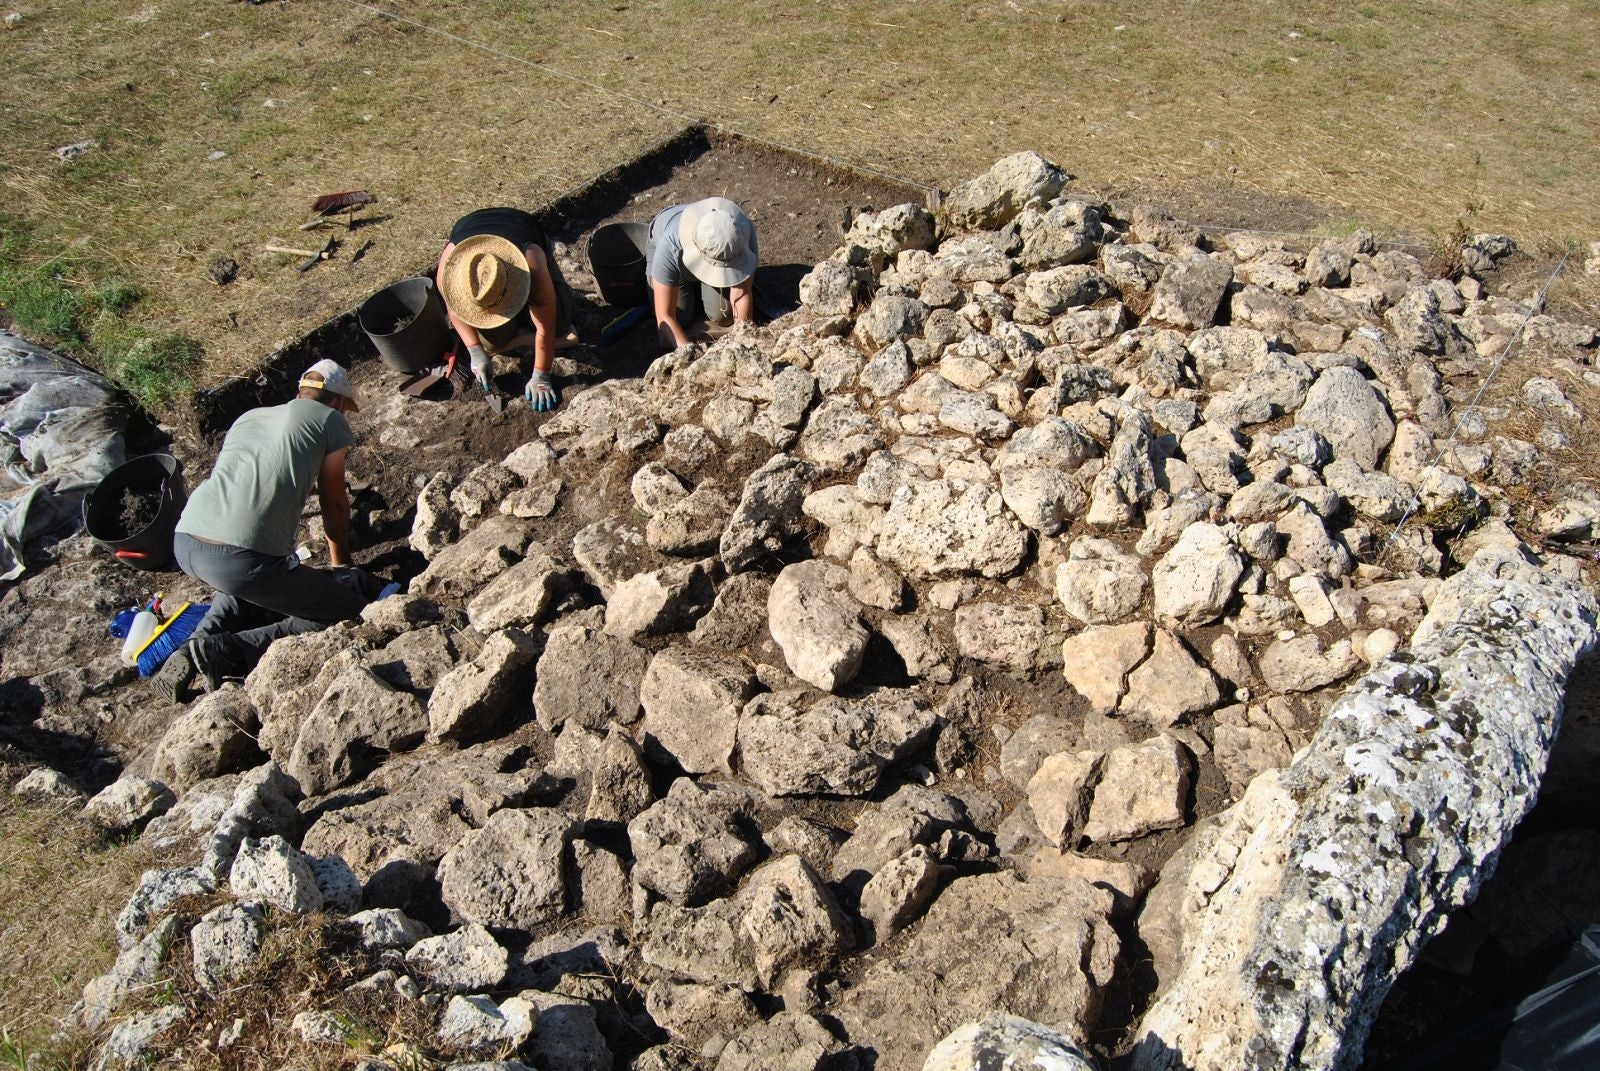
pixel 330 376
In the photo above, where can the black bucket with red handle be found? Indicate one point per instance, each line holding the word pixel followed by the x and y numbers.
pixel 152 482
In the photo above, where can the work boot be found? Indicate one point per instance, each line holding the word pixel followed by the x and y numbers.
pixel 173 678
pixel 206 662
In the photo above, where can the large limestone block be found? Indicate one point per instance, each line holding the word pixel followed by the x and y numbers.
pixel 768 513
pixel 994 198
pixel 692 700
pixel 520 596
pixel 941 528
pixel 214 736
pixel 1279 930
pixel 690 845
pixel 817 623
pixel 1195 579
pixel 1171 684
pixel 1099 583
pixel 588 677
pixel 1347 411
pixel 359 719
pixel 1096 662
pixel 1143 787
pixel 512 872
pixel 470 699
pixel 792 745
pixel 1046 951
pixel 783 918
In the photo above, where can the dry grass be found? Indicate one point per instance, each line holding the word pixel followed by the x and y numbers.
pixel 305 965
pixel 61 887
pixel 1397 116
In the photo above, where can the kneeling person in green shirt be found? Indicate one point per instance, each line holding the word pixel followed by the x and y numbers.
pixel 237 532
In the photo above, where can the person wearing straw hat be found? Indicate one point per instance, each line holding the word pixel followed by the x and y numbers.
pixel 701 258
pixel 237 533
pixel 498 278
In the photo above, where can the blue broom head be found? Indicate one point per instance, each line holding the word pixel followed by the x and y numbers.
pixel 174 633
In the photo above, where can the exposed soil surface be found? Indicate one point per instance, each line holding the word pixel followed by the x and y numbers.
pixel 799 208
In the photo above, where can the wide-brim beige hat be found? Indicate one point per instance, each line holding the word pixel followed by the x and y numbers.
pixel 718 242
pixel 485 280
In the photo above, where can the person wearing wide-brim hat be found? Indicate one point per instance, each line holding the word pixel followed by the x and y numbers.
pixel 499 278
pixel 701 258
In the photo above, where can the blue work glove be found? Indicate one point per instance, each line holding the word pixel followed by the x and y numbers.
pixel 482 368
pixel 541 392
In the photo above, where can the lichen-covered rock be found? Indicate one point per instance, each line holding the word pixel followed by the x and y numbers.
pixel 1305 900
pixel 1008 1043
pixel 225 943
pixel 273 870
pixel 940 528
pixel 459 962
pixel 512 872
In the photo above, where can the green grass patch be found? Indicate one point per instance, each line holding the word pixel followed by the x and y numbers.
pixel 64 302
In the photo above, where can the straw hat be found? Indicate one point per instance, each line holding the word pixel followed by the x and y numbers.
pixel 485 280
pixel 717 242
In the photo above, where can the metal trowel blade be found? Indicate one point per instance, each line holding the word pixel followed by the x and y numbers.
pixel 496 402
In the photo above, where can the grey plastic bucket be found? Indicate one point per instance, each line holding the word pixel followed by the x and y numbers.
pixel 417 343
pixel 616 257
pixel 148 476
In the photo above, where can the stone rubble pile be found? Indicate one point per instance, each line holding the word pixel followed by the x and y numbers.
pixel 894 649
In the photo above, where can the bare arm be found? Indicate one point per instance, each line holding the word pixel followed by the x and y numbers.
pixel 666 305
pixel 335 502
pixel 542 307
pixel 743 300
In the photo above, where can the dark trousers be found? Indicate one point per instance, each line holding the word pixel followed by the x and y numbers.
pixel 260 598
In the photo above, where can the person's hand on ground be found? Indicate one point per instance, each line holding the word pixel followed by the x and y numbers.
pixel 541 392
pixel 482 368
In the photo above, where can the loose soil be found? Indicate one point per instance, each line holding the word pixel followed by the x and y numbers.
pixel 136 511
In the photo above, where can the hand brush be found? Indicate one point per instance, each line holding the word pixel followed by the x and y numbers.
pixel 173 633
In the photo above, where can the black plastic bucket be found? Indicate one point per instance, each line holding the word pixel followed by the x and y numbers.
pixel 616 257
pixel 408 325
pixel 153 478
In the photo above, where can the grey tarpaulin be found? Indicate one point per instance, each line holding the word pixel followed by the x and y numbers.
pixel 61 432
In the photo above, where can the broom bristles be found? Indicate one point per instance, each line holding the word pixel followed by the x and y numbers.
pixel 173 633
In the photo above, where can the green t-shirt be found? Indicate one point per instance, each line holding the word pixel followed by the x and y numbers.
pixel 266 470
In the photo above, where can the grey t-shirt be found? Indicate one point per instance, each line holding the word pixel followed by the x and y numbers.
pixel 266 470
pixel 666 249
